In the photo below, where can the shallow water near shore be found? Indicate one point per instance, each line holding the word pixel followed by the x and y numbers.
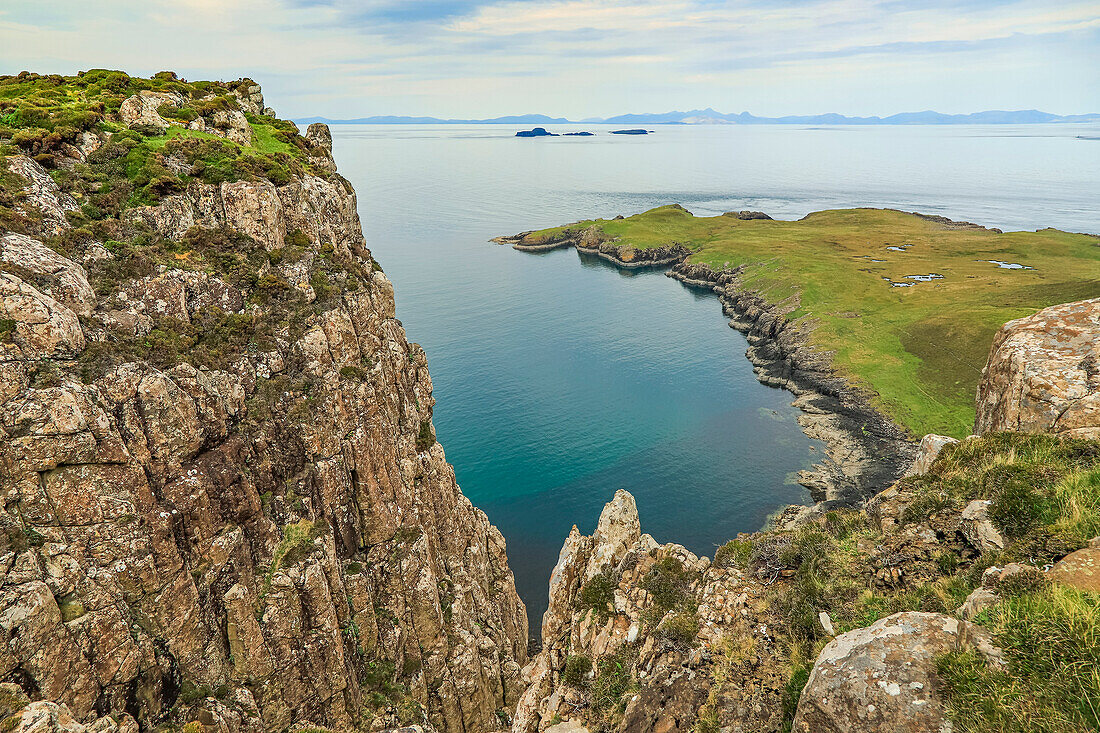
pixel 560 379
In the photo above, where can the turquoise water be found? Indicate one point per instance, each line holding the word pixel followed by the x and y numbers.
pixel 559 379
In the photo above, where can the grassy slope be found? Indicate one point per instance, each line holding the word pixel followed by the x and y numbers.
pixel 920 348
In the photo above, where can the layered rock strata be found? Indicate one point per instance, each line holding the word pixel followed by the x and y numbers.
pixel 222 498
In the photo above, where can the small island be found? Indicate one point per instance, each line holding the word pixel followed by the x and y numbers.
pixel 536 132
pixel 543 132
pixel 637 131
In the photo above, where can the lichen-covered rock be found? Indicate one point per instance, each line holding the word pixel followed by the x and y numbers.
pixel 979 528
pixel 668 645
pixel 40 327
pixel 231 124
pixel 320 135
pixel 1079 569
pixel 253 208
pixel 930 447
pixel 1043 374
pixel 42 194
pixel 48 717
pixel 142 108
pixel 977 601
pixel 61 278
pixel 171 218
pixel 883 677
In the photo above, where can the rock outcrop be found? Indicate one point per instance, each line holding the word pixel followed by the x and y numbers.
pixel 929 450
pixel 143 108
pixel 41 194
pixel 882 678
pixel 221 499
pixel 1043 374
pixel 694 642
pixel 640 636
pixel 607 570
pixel 592 241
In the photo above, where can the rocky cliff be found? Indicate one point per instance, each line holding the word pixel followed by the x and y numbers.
pixel 223 503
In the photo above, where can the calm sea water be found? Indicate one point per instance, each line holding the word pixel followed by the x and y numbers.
pixel 560 379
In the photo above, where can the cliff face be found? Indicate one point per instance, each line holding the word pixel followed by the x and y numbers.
pixel 222 496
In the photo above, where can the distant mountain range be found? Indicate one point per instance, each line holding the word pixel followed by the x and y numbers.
pixel 711 117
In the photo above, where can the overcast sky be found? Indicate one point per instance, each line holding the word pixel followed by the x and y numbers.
pixel 574 58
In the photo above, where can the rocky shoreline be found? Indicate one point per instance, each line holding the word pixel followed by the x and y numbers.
pixel 866 452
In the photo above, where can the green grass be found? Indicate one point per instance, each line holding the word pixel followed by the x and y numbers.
pixel 265 138
pixel 1045 491
pixel 175 133
pixel 1051 684
pixel 919 349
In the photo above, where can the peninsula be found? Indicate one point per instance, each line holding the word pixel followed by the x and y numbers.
pixel 904 304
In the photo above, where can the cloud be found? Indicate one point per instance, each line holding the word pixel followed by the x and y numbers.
pixel 585 57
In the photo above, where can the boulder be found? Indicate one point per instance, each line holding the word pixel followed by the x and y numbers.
pixel 231 124
pixel 39 325
pixel 1043 374
pixel 979 529
pixel 62 279
pixel 49 717
pixel 882 678
pixel 930 447
pixel 979 600
pixel 1079 569
pixel 142 109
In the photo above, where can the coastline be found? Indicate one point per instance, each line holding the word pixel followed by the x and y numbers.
pixel 866 452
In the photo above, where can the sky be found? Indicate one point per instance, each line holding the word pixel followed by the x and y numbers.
pixel 585 58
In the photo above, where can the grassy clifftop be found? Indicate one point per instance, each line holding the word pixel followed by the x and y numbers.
pixel 908 304
pixel 47 117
